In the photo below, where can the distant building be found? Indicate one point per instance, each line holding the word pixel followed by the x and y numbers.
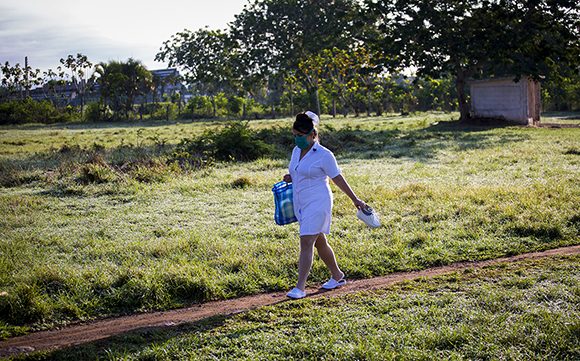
pixel 503 98
pixel 167 82
pixel 64 94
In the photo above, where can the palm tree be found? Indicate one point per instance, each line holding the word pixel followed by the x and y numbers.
pixel 121 82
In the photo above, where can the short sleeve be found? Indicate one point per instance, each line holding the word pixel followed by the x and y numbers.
pixel 292 160
pixel 330 166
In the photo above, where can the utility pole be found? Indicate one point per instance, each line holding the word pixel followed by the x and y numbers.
pixel 26 82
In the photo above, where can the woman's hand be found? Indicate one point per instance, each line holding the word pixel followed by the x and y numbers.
pixel 343 185
pixel 287 178
pixel 359 204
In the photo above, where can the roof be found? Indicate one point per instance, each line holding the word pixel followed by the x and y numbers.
pixel 164 73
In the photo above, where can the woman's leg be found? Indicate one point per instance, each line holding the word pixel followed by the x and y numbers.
pixel 305 260
pixel 327 255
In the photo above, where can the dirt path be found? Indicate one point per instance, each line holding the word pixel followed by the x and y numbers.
pixel 89 332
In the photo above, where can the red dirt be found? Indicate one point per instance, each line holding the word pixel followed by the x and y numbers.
pixel 104 328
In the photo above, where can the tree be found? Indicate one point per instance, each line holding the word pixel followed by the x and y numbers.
pixel 435 94
pixel 12 78
pixel 275 36
pixel 205 57
pixel 19 80
pixel 562 93
pixel 311 69
pixel 52 82
pixel 345 74
pixel 121 82
pixel 79 67
pixel 479 38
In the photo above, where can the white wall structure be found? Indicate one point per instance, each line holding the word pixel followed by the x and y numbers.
pixel 503 98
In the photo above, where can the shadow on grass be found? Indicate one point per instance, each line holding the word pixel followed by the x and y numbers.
pixel 423 144
pixel 419 144
pixel 130 342
pixel 60 163
pixel 136 123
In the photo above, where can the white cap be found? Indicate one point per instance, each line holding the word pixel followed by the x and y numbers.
pixel 313 116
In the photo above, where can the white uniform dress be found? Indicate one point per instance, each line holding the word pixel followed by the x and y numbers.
pixel 312 194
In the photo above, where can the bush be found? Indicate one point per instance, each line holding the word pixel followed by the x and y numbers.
pixel 31 111
pixel 152 171
pixel 235 142
pixel 96 170
pixel 200 106
pixel 94 112
pixel 165 111
pixel 242 182
pixel 235 105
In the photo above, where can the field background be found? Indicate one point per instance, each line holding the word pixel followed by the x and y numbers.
pixel 101 220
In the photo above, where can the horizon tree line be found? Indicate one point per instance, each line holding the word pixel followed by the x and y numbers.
pixel 348 56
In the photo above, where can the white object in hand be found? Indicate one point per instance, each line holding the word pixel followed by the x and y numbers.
pixel 369 217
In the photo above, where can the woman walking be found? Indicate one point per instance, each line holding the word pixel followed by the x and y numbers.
pixel 310 167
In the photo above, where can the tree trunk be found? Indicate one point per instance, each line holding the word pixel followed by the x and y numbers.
pixel 368 104
pixel 317 100
pixel 461 98
pixel 379 109
pixel 213 106
pixel 333 108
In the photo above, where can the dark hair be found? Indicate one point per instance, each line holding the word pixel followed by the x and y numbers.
pixel 303 123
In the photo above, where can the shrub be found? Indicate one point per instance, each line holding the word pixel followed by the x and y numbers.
pixel 31 111
pixel 186 158
pixel 235 142
pixel 165 111
pixel 242 182
pixel 96 170
pixel 151 172
pixel 235 105
pixel 95 112
pixel 200 106
pixel 96 173
pixel 12 175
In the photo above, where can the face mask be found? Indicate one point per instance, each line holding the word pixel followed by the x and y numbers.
pixel 302 140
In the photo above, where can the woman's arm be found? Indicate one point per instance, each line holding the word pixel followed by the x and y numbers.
pixel 343 185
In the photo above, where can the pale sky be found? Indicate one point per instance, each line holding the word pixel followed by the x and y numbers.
pixel 47 30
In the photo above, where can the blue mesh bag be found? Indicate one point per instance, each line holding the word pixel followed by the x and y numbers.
pixel 284 207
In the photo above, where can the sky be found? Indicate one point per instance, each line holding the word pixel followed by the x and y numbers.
pixel 48 30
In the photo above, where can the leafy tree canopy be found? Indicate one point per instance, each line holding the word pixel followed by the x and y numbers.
pixel 479 38
pixel 121 82
pixel 204 55
pixel 276 34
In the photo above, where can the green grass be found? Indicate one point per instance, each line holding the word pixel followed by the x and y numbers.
pixel 521 311
pixel 97 230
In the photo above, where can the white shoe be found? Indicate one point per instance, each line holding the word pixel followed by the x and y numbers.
pixel 296 293
pixel 369 216
pixel 332 284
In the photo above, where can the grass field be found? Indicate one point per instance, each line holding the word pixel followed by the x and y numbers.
pixel 98 220
pixel 521 311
